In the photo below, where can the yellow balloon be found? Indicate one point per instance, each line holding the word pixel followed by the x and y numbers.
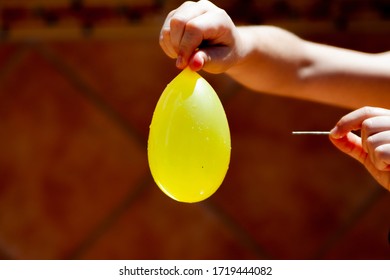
pixel 189 139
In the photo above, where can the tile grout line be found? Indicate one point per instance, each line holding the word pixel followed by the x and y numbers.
pixel 89 93
pixel 10 64
pixel 92 96
pixel 107 222
pixel 238 231
pixel 350 222
pixel 13 61
pixel 241 234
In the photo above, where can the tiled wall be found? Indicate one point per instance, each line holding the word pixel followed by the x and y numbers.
pixel 75 109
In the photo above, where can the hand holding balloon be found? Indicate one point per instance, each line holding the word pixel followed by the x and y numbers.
pixel 201 35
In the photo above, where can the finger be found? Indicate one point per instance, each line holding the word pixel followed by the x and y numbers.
pixel 200 30
pixel 165 43
pixel 375 147
pixel 354 120
pixel 179 23
pixel 372 126
pixel 165 36
pixel 166 24
pixel 173 27
pixel 198 60
pixel 212 59
pixel 382 157
pixel 178 20
pixel 351 144
pixel 376 124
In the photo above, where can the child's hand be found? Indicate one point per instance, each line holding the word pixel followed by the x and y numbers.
pixel 200 35
pixel 372 148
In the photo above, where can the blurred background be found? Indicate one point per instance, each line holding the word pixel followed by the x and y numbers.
pixel 79 81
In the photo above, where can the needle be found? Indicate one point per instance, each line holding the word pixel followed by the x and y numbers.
pixel 311 132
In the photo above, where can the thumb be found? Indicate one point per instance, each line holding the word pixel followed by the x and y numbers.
pixel 351 144
pixel 198 60
pixel 215 59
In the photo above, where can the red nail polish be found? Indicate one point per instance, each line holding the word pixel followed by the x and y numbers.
pixel 197 63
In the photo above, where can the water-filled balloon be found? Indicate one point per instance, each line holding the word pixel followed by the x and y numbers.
pixel 189 139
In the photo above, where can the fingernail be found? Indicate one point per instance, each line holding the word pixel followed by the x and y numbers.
pixel 334 133
pixel 197 63
pixel 179 62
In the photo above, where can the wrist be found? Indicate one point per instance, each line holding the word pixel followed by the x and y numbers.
pixel 244 48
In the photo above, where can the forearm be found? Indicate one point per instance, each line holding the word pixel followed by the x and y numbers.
pixel 269 59
pixel 275 61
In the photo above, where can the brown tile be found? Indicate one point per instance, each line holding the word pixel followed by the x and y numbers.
pixel 115 79
pixel 129 75
pixel 63 164
pixel 369 238
pixel 10 55
pixel 157 227
pixel 6 51
pixel 289 192
pixel 67 171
